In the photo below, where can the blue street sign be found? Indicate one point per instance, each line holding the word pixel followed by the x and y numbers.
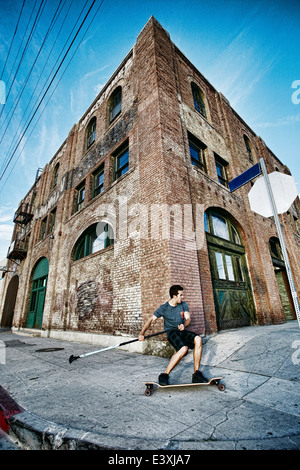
pixel 245 177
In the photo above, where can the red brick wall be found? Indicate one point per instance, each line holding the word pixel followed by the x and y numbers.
pixel 115 291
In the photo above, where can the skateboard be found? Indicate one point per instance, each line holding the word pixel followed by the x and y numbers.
pixel 213 381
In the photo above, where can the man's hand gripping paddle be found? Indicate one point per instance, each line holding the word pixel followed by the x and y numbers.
pixel 74 358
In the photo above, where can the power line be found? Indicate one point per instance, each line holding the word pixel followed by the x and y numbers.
pixel 22 40
pixel 37 99
pixel 11 44
pixel 48 87
pixel 25 49
pixel 13 108
pixel 40 76
pixel 51 95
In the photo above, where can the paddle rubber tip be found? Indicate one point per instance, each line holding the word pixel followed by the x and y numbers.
pixel 73 358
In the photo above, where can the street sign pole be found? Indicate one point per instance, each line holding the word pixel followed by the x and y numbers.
pixel 281 239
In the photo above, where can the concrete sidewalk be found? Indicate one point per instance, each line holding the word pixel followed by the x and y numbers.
pixel 98 402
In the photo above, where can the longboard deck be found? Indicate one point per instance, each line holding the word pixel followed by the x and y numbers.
pixel 213 381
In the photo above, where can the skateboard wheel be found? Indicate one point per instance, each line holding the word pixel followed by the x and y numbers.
pixel 221 387
pixel 147 392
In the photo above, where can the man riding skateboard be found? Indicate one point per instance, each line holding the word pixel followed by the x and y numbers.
pixel 177 318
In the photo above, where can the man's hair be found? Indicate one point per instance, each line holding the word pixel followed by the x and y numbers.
pixel 174 290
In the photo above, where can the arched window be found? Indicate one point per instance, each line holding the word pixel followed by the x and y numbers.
pixel 198 99
pixel 91 132
pixel 95 238
pixel 55 176
pixel 220 226
pixel 248 148
pixel 115 103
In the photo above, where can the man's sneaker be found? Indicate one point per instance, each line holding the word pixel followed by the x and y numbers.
pixel 199 378
pixel 163 379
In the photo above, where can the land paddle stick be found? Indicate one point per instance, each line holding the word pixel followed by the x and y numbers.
pixel 74 358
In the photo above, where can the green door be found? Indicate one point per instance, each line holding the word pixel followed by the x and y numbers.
pixel 38 293
pixel 230 278
pixel 232 293
pixel 285 294
pixel 282 279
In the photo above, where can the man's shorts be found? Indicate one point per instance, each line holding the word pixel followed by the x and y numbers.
pixel 178 339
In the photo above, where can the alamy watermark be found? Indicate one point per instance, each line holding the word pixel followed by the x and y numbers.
pixel 2 92
pixel 155 222
pixel 296 94
pixel 296 354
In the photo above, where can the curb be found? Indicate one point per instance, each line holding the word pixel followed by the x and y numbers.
pixel 8 408
pixel 35 433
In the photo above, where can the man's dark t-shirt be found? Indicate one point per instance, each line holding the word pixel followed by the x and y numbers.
pixel 173 316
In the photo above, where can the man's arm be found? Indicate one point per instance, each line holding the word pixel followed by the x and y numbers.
pixel 187 321
pixel 146 326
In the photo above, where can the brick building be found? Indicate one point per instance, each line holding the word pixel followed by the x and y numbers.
pixel 136 199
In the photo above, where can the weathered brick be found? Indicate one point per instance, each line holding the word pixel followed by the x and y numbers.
pixel 115 290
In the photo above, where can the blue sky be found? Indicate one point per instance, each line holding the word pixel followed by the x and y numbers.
pixel 248 50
